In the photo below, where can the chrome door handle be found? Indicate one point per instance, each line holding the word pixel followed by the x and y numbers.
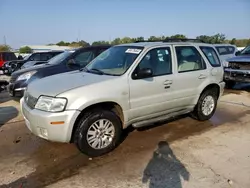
pixel 168 82
pixel 202 76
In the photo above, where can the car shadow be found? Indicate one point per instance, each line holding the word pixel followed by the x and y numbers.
pixel 56 161
pixel 4 97
pixel 164 169
pixel 238 89
pixel 7 113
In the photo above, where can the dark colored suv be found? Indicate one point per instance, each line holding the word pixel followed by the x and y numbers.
pixel 70 60
pixel 6 56
pixel 40 57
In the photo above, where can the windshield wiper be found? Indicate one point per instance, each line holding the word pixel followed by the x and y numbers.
pixel 83 69
pixel 97 71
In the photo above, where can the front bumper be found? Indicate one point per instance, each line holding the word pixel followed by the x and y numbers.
pixel 236 75
pixel 17 89
pixel 39 123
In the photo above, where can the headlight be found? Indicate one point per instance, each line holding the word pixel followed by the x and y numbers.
pixel 225 63
pixel 51 104
pixel 26 76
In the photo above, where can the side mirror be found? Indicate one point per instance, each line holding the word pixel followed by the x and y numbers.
pixel 237 53
pixel 143 73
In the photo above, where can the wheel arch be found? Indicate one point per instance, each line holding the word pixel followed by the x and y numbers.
pixel 212 86
pixel 111 106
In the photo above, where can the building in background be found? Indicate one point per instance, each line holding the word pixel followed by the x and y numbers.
pixel 44 48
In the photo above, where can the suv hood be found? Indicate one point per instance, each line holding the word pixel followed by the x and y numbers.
pixel 57 84
pixel 243 58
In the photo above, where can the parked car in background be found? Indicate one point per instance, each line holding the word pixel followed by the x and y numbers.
pixel 238 68
pixel 134 84
pixel 4 57
pixel 11 66
pixel 64 62
pixel 226 51
pixel 32 63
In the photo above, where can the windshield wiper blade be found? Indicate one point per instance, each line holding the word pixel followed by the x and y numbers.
pixel 97 71
pixel 83 69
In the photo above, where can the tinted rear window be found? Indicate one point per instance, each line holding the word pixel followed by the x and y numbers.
pixel 8 56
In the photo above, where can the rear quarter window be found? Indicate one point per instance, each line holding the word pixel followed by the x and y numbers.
pixel 211 56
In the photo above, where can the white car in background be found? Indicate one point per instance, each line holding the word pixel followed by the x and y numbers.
pixel 226 51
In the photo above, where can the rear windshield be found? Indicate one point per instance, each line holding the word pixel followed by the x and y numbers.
pixel 8 56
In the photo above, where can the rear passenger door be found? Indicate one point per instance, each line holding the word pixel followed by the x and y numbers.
pixel 191 75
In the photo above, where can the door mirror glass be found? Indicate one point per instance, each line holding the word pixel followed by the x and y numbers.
pixel 143 73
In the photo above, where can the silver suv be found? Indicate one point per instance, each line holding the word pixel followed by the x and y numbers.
pixel 134 84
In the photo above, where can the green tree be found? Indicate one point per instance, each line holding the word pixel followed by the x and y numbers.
pixel 205 38
pixel 154 38
pixel 248 42
pixel 116 41
pixel 126 40
pixel 62 43
pixel 5 48
pixel 178 36
pixel 103 42
pixel 233 41
pixel 25 50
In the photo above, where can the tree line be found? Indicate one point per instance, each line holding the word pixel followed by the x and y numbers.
pixel 214 39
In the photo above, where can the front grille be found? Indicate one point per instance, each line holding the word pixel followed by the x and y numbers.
pixel 30 100
pixel 240 65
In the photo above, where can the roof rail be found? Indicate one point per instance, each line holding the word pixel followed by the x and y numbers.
pixel 173 40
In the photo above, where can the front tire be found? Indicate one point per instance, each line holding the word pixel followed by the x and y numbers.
pixel 98 132
pixel 206 106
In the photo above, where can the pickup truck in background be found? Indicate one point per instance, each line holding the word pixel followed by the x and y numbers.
pixel 237 68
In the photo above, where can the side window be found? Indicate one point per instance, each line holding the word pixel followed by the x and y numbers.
pixel 222 50
pixel 35 57
pixel 158 60
pixel 231 50
pixel 211 56
pixel 189 59
pixel 84 58
pixel 45 56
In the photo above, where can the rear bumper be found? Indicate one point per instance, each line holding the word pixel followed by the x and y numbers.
pixel 236 75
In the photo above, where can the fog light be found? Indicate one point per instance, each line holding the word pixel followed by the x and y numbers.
pixel 43 132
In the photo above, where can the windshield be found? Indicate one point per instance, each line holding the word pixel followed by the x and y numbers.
pixel 115 60
pixel 246 51
pixel 59 58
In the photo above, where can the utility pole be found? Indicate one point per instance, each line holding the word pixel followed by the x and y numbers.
pixel 4 40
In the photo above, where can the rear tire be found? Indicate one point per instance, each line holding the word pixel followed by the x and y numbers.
pixel 230 84
pixel 98 132
pixel 206 106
